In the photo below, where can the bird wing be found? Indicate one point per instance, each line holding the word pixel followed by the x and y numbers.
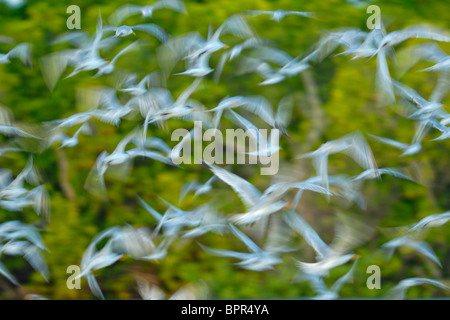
pixel 13 131
pixel 235 25
pixel 259 106
pixel 152 211
pixel 184 96
pixel 245 190
pixel 283 114
pixel 152 29
pixel 384 80
pixel 176 5
pixel 394 143
pixel 23 52
pixel 7 40
pixel 307 232
pixel 93 285
pixel 124 50
pixel 360 152
pixel 245 239
pixel 4 272
pixel 35 258
pixel 301 13
pixel 123 13
pixel 225 253
pixel 249 127
pixel 274 55
pixel 346 278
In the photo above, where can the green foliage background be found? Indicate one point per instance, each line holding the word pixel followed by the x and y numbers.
pixel 345 93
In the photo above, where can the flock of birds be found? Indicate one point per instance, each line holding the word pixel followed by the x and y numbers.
pixel 271 210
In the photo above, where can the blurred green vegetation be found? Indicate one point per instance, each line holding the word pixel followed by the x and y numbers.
pixel 346 96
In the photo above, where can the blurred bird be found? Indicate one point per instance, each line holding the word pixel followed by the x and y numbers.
pixel 257 260
pixel 420 246
pixel 325 293
pixel 434 220
pixel 408 149
pixel 354 145
pixel 150 28
pixel 19 239
pixel 418 31
pixel 146 11
pixel 279 15
pixel 21 51
pixel 349 234
pixel 197 187
pixel 108 66
pixel 399 291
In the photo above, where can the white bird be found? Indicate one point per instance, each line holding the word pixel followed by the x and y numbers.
pixel 354 145
pixel 434 220
pixel 289 66
pixel 408 149
pixel 258 105
pixel 249 195
pixel 29 252
pixel 349 234
pixel 260 146
pixel 443 65
pixel 67 141
pixel 196 187
pixel 257 260
pixel 234 52
pixel 17 238
pixel 54 64
pixel 150 28
pixel 195 291
pixel 15 188
pixel 420 246
pixel 376 173
pixel 198 67
pixel 10 130
pixel 95 181
pixel 198 60
pixel 108 66
pixel 425 109
pixel 37 198
pixel 279 15
pixel 7 40
pixel 325 293
pixel 366 48
pixel 141 87
pixel 94 259
pixel 399 291
pixel 21 51
pixel 414 32
pixel 428 51
pixel 259 205
pixel 170 109
pixel 88 58
pixel 383 80
pixel 146 11
pixel 73 120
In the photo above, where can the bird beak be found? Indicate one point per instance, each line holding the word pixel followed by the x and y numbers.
pixel 108 62
pixel 226 46
pixel 134 33
pixel 355 257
